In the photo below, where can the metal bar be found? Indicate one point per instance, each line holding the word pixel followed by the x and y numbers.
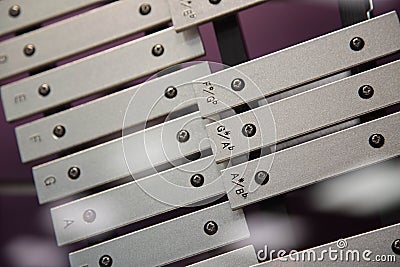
pixel 29 13
pixel 51 43
pixel 313 161
pixel 137 200
pixel 179 232
pixel 368 249
pixel 242 257
pixel 186 14
pixel 309 111
pixel 120 158
pixel 319 58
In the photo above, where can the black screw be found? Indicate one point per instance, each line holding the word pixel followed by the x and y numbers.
pixel 74 173
pixel 249 130
pixel 261 177
pixel 59 131
pixel 157 50
pixel 396 246
pixel 197 180
pixel 29 50
pixel 210 228
pixel 171 92
pixel 215 2
pixel 14 11
pixel 183 136
pixel 237 84
pixel 145 9
pixel 377 140
pixel 44 89
pixel 366 91
pixel 357 43
pixel 105 261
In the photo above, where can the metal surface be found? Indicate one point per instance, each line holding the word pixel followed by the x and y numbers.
pixel 367 246
pixel 319 57
pixel 133 249
pixel 312 161
pixel 107 162
pixel 242 257
pixel 34 12
pixel 137 200
pixel 186 14
pixel 113 67
pixel 51 44
pixel 306 112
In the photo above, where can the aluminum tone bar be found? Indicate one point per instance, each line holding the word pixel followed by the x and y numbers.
pixel 313 161
pixel 137 200
pixel 242 257
pixel 35 12
pixel 80 33
pixel 319 58
pixel 364 247
pixel 186 14
pixel 106 162
pixel 312 110
pixel 179 232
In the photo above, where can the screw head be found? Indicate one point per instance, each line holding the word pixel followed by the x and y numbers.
pixel 145 9
pixel 215 2
pixel 105 261
pixel 238 84
pixel 89 216
pixel 183 136
pixel 261 177
pixel 197 180
pixel 14 11
pixel 396 246
pixel 74 173
pixel 157 50
pixel 249 130
pixel 29 50
pixel 357 43
pixel 210 228
pixel 59 131
pixel 171 92
pixel 44 89
pixel 366 91
pixel 377 140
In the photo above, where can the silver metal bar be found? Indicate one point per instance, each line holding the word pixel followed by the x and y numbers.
pixel 105 116
pixel 28 13
pixel 242 257
pixel 306 112
pixel 63 39
pixel 110 161
pixel 179 232
pixel 186 14
pixel 299 64
pixel 313 161
pixel 137 200
pixel 369 249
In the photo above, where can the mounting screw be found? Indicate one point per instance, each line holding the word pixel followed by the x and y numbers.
pixel 105 261
pixel 59 131
pixel 210 228
pixel 366 91
pixel 357 43
pixel 171 92
pixel 261 177
pixel 396 246
pixel 237 84
pixel 215 2
pixel 74 173
pixel 44 89
pixel 157 50
pixel 89 216
pixel 183 136
pixel 145 9
pixel 14 11
pixel 197 180
pixel 377 140
pixel 29 50
pixel 249 130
